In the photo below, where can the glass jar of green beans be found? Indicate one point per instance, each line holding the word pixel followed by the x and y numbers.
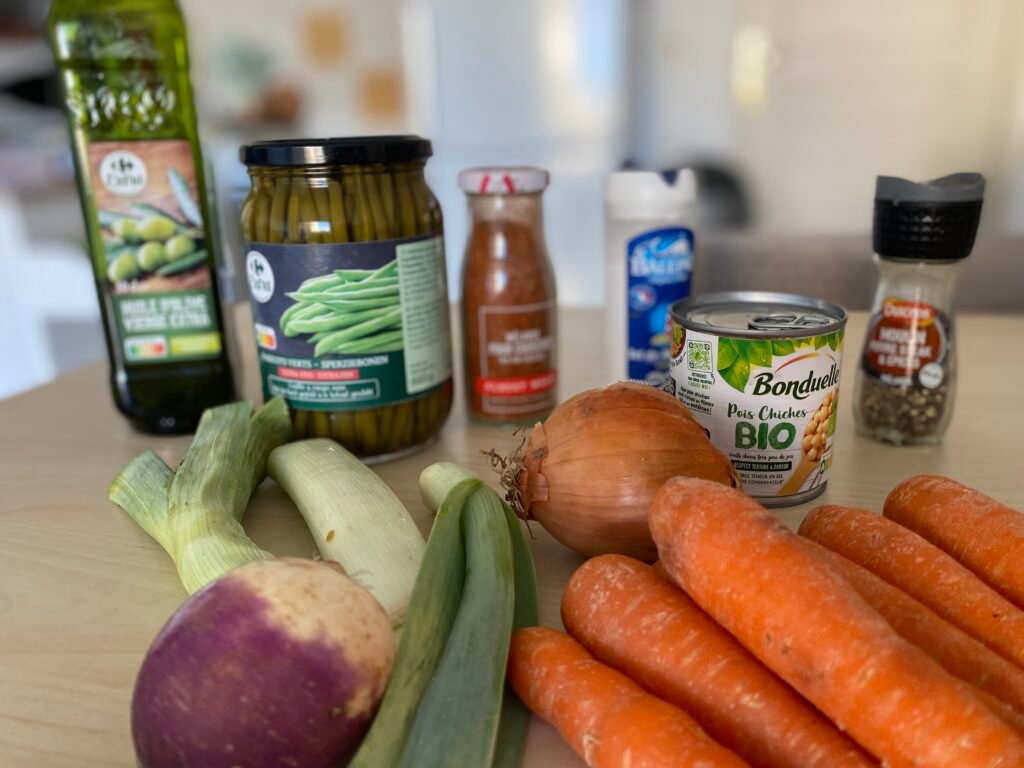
pixel 346 272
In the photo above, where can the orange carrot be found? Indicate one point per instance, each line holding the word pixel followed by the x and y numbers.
pixel 924 572
pixel 983 534
pixel 798 616
pixel 635 620
pixel 958 652
pixel 1002 710
pixel 603 715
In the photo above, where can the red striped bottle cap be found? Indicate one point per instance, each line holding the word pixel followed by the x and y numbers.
pixel 503 180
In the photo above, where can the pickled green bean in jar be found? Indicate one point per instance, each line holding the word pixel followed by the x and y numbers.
pixel 346 272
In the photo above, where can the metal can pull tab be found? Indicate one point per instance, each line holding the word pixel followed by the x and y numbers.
pixel 784 321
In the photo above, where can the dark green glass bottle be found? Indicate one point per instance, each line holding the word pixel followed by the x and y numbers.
pixel 124 69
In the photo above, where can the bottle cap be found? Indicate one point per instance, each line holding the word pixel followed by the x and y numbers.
pixel 646 194
pixel 929 221
pixel 503 180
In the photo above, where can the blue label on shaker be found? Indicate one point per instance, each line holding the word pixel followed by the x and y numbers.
pixel 659 264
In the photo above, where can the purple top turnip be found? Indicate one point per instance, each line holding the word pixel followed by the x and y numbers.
pixel 278 663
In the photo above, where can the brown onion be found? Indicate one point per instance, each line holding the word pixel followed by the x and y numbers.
pixel 588 473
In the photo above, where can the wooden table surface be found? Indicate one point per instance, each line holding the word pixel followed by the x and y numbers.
pixel 83 590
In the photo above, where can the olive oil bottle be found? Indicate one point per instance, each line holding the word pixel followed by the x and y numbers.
pixel 124 69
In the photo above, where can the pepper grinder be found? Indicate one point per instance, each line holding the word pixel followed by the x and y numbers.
pixel 906 380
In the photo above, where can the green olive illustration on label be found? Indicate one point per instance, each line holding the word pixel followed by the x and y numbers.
pixel 124 267
pixel 126 229
pixel 151 255
pixel 179 246
pixel 156 228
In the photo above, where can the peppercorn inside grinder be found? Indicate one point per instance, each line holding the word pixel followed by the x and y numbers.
pixel 906 380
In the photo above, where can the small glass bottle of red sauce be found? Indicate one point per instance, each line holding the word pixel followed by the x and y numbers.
pixel 508 297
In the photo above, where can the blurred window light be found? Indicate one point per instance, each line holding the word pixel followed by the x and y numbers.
pixel 560 37
pixel 752 61
pixel 583 61
pixel 602 58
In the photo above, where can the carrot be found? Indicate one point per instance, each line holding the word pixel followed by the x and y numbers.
pixel 793 612
pixel 958 652
pixel 604 716
pixel 1001 709
pixel 924 572
pixel 980 532
pixel 635 620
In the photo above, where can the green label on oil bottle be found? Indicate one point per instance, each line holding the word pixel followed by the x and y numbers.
pixel 154 266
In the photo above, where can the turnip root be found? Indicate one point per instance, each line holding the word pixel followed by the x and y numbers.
pixel 278 663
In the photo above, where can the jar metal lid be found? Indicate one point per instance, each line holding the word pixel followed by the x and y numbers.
pixel 503 180
pixel 356 150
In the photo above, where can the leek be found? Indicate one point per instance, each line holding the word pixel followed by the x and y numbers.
pixel 457 719
pixel 447 703
pixel 355 519
pixel 436 483
pixel 195 513
pixel 440 479
pixel 432 612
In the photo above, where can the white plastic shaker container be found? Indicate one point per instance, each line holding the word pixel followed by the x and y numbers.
pixel 649 247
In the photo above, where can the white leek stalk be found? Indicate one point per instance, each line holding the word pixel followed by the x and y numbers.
pixel 438 480
pixel 195 513
pixel 354 517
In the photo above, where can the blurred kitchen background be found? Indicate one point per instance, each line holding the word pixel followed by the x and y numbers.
pixel 785 110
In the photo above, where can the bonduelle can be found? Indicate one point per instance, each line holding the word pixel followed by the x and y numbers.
pixel 760 372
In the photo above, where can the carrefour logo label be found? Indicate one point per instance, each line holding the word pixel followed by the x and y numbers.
pixel 260 276
pixel 662 256
pixel 123 173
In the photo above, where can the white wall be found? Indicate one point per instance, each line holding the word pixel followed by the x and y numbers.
pixel 852 89
pixel 680 104
pixel 540 82
pixel 44 285
pixel 1013 126
pixel 370 39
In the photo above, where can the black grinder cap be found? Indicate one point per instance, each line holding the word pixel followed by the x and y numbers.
pixel 929 221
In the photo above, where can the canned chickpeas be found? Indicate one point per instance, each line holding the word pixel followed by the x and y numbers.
pixel 760 372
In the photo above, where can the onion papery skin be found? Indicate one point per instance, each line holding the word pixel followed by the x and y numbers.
pixel 589 472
